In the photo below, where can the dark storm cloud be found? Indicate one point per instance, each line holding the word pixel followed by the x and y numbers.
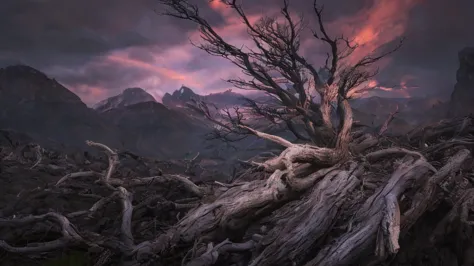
pixel 45 32
pixel 66 39
pixel 94 85
pixel 332 9
pixel 89 76
pixel 437 31
pixel 111 44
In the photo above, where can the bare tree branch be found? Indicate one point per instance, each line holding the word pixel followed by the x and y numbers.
pixel 391 116
pixel 274 62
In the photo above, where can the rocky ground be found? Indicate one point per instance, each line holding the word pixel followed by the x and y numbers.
pixel 402 201
pixel 29 176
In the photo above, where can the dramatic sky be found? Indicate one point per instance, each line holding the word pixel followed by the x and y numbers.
pixel 96 48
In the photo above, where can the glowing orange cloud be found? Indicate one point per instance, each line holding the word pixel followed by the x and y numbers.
pixel 372 27
pixel 220 7
pixel 372 83
pixel 382 23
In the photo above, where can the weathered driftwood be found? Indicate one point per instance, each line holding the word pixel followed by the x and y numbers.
pixel 314 217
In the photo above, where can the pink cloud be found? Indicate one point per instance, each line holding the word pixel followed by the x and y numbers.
pixel 146 66
pixel 166 69
pixel 90 94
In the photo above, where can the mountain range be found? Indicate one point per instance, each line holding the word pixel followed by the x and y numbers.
pixel 34 104
pixel 40 107
pixel 185 95
pixel 128 97
pixel 49 113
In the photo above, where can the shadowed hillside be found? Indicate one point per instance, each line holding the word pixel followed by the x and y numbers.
pixel 151 129
pixel 36 105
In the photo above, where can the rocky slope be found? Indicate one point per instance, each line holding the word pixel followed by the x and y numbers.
pixel 22 177
pixel 180 97
pixel 40 107
pixel 185 95
pixel 226 98
pixel 152 129
pixel 462 98
pixel 49 114
pixel 128 97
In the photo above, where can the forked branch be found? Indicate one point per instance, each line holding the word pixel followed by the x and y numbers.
pixel 69 234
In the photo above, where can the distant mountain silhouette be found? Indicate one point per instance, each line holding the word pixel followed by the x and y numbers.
pixel 371 111
pixel 184 95
pixel 34 104
pixel 128 97
pixel 227 97
pixel 152 129
pixel 38 106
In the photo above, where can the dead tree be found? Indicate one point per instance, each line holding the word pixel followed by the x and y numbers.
pixel 335 203
pixel 276 59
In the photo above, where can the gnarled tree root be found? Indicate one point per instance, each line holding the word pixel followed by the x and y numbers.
pixel 290 242
pixel 233 211
pixel 301 236
pixel 378 219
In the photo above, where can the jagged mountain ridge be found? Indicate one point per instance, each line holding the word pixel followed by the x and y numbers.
pixel 49 113
pixel 180 97
pixel 42 108
pixel 184 95
pixel 371 111
pixel 128 97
